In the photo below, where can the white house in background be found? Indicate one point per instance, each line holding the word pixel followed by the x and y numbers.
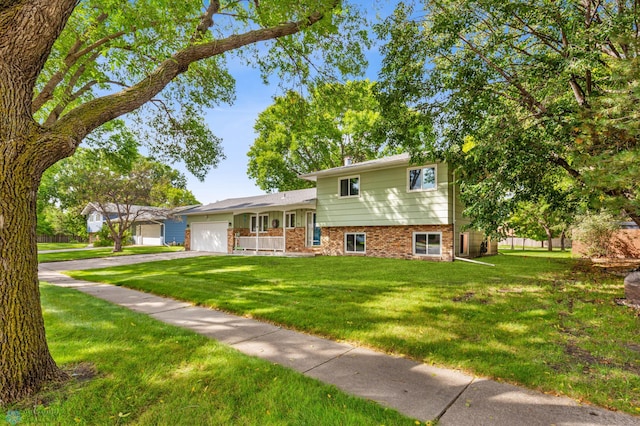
pixel 152 226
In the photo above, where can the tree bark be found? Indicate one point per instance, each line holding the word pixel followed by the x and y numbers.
pixel 29 28
pixel 25 361
pixel 117 243
pixel 549 233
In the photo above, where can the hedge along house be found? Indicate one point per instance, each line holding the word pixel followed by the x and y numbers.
pixel 390 208
pixel 281 222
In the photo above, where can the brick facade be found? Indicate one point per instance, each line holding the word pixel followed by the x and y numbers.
pixel 187 239
pixel 381 241
pixel 386 241
pixel 230 240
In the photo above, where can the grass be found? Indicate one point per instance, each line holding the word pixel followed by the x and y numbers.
pixel 60 246
pixel 103 252
pixel 537 252
pixel 149 373
pixel 545 323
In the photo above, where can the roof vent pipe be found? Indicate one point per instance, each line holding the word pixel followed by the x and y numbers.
pixel 348 161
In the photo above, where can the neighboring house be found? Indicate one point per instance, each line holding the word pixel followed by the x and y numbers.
pixel 152 226
pixel 380 208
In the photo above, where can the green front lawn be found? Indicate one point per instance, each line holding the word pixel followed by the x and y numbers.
pixel 546 323
pixel 148 373
pixel 60 246
pixel 537 252
pixel 103 252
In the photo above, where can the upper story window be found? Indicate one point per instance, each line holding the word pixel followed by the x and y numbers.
pixel 95 217
pixel 350 186
pixel 422 178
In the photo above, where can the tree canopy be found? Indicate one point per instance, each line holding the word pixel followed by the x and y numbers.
pixel 122 180
pixel 519 93
pixel 301 134
pixel 71 68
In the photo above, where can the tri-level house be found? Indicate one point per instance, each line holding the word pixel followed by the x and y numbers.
pixel 382 208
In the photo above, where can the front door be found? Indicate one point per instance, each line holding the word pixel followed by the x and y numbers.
pixel 313 230
pixel 463 248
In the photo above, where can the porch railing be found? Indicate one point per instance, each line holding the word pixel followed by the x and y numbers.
pixel 263 243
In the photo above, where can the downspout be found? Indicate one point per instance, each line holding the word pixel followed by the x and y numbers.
pixel 473 261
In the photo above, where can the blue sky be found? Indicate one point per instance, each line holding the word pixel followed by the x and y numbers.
pixel 234 124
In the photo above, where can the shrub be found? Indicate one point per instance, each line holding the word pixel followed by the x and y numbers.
pixel 595 231
pixel 104 237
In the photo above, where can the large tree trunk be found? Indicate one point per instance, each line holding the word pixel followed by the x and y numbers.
pixel 29 29
pixel 25 361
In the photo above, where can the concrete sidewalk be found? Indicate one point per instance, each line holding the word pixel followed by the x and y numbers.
pixel 417 390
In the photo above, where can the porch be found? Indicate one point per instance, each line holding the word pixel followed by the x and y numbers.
pixel 274 232
pixel 259 243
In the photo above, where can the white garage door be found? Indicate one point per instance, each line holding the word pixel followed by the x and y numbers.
pixel 150 235
pixel 209 236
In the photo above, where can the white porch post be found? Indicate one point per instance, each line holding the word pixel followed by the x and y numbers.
pixel 284 231
pixel 257 231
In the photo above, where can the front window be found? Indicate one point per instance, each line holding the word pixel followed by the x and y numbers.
pixel 427 243
pixel 262 221
pixel 422 178
pixel 290 220
pixel 355 243
pixel 350 187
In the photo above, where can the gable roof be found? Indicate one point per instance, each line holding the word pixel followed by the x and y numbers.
pixel 379 163
pixel 278 200
pixel 139 213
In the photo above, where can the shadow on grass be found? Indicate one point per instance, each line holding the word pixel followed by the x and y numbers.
pixel 516 321
pixel 151 373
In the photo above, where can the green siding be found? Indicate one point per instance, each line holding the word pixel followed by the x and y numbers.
pixel 384 200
